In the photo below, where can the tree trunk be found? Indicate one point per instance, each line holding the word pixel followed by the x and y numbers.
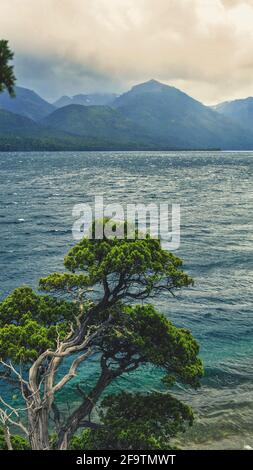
pixel 84 410
pixel 38 428
pixel 7 437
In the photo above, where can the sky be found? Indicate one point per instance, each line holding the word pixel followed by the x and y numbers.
pixel 64 47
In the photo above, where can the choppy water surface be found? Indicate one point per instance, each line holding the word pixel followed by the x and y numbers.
pixel 37 194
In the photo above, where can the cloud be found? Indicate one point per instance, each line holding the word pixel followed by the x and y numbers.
pixel 51 77
pixel 234 3
pixel 202 46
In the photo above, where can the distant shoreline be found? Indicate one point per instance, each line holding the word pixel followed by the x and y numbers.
pixel 162 149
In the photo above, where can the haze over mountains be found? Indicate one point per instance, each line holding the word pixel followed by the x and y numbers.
pixel 149 116
pixel 240 111
pixel 27 103
pixel 86 100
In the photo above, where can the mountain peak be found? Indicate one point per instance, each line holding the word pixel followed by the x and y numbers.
pixel 152 81
pixel 150 85
pixel 26 103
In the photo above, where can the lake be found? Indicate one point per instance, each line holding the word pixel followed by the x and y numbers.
pixel 214 189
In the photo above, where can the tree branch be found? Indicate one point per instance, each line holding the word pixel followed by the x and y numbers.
pixel 15 411
pixel 72 371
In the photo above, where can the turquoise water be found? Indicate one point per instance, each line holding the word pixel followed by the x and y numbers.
pixel 214 189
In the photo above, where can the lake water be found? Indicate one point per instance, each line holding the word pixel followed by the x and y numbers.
pixel 214 189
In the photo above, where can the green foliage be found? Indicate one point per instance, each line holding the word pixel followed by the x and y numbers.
pixel 64 282
pixel 7 77
pixel 133 262
pixel 135 421
pixel 143 335
pixel 18 442
pixel 31 323
pixel 82 441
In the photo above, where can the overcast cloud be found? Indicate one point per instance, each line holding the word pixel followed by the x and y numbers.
pixel 204 47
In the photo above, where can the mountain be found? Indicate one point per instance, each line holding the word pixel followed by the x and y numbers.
pixel 240 111
pixel 97 122
pixel 15 124
pixel 94 99
pixel 62 101
pixel 19 133
pixel 151 116
pixel 169 115
pixel 27 103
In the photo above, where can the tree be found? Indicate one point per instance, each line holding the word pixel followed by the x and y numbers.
pixel 7 77
pixel 83 314
pixel 136 421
